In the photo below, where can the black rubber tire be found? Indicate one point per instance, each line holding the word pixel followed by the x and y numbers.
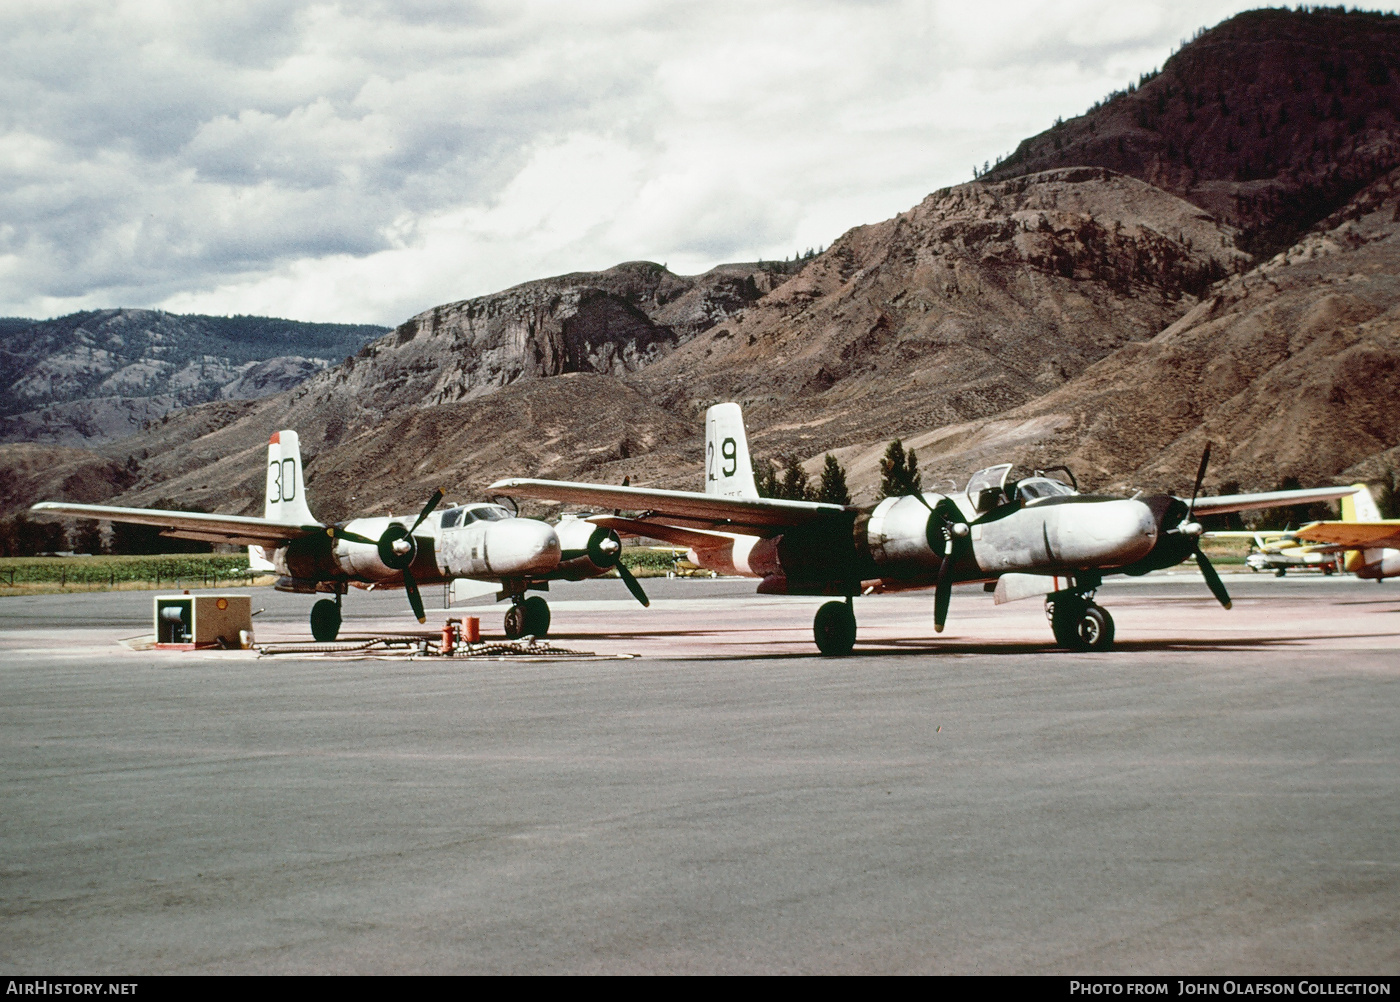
pixel 1282 572
pixel 835 629
pixel 1064 618
pixel 1096 628
pixel 536 612
pixel 515 622
pixel 325 621
pixel 1082 626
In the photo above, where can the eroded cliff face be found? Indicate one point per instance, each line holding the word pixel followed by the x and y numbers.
pixel 978 299
pixel 610 323
pixel 1271 120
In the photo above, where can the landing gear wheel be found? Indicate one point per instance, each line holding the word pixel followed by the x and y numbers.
pixel 325 620
pixel 835 629
pixel 1281 572
pixel 515 622
pixel 1081 626
pixel 536 612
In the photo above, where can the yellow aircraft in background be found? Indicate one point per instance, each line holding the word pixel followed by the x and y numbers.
pixel 1372 543
pixel 1280 550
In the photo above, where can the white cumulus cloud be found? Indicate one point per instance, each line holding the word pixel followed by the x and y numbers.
pixel 363 161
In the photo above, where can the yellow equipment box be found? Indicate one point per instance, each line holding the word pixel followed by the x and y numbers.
pixel 188 621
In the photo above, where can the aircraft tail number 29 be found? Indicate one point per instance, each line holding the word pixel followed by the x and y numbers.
pixel 729 453
pixel 281 481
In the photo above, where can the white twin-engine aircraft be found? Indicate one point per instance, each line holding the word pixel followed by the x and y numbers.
pixel 1030 537
pixel 463 544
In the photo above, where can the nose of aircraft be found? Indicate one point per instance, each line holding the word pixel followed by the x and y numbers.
pixel 521 546
pixel 1126 531
pixel 1101 534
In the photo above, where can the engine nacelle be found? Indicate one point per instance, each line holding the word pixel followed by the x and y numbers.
pixel 747 556
pixel 898 537
pixel 361 560
pixel 575 536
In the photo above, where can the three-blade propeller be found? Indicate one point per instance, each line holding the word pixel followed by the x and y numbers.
pixel 397 550
pixel 605 550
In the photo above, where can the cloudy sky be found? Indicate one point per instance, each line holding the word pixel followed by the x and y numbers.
pixel 362 162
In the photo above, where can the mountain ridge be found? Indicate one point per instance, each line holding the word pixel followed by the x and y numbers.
pixel 1078 312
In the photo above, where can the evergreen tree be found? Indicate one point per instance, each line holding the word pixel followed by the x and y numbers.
pixel 86 536
pixel 833 487
pixel 795 487
pixel 766 480
pixel 1387 496
pixel 899 474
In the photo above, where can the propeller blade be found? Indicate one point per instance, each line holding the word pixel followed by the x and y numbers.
pixel 1200 477
pixel 633 585
pixel 414 599
pixel 943 591
pixel 351 537
pixel 1217 587
pixel 427 509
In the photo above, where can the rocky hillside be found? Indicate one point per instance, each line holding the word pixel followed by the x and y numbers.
pixel 1087 303
pixel 1272 121
pixel 102 375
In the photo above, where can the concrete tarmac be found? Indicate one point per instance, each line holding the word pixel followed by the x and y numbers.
pixel 1220 794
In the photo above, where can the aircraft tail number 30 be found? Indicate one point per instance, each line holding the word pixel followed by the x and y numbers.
pixel 281 481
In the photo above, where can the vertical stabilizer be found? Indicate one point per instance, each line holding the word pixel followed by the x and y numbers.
pixel 286 491
pixel 1360 507
pixel 728 470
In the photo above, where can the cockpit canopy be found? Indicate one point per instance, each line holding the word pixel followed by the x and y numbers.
pixel 989 488
pixel 1033 489
pixel 467 514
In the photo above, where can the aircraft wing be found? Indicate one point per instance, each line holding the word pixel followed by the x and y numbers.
pixel 1354 535
pixel 1269 499
pixel 696 539
pixel 747 516
pixel 243 530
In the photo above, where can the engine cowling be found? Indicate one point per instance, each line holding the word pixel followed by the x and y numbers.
pixel 361 560
pixel 905 538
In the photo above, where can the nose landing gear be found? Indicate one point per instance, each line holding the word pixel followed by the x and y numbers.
pixel 527 617
pixel 1078 623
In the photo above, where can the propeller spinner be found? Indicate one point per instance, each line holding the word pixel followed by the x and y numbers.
pixel 605 550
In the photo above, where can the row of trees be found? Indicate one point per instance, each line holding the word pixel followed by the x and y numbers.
pixel 899 475
pixel 22 536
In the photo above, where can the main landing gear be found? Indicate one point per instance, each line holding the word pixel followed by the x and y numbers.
pixel 325 619
pixel 527 617
pixel 835 628
pixel 1078 623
